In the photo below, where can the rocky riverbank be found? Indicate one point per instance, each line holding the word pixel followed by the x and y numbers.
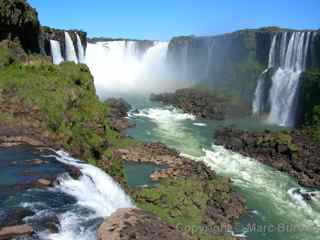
pixel 188 194
pixel 204 103
pixel 36 109
pixel 295 152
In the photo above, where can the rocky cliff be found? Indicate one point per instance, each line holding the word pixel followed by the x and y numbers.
pixel 230 61
pixel 18 20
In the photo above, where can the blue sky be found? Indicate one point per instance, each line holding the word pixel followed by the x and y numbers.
pixel 163 19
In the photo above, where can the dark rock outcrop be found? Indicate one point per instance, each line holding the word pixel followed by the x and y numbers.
pixel 129 224
pixel 14 217
pixel 19 20
pixel 295 152
pixel 118 110
pixel 204 104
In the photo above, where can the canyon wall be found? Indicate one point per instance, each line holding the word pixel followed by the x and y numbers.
pixel 231 61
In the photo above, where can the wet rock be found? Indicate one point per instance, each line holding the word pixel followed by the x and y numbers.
pixel 47 223
pixel 118 107
pixel 117 112
pixel 160 154
pixel 129 224
pixel 73 171
pixel 15 231
pixel 14 217
pixel 43 183
pixel 203 103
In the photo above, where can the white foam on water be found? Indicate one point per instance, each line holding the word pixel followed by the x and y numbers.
pixel 95 191
pixel 200 124
pixel 164 115
pixel 270 186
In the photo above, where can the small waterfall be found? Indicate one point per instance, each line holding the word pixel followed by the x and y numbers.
pixel 70 52
pixel 272 52
pixel 81 54
pixel 210 49
pixel 185 60
pixel 292 58
pixel 285 81
pixel 56 52
pixel 259 95
pixel 97 194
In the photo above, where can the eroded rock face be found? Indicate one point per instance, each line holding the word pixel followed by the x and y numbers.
pixel 129 224
pixel 293 152
pixel 19 20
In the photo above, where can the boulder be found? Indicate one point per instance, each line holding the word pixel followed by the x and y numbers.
pixel 15 231
pixel 129 224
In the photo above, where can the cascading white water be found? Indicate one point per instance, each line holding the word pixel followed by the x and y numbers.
pixel 285 81
pixel 210 49
pixel 259 94
pixel 117 67
pixel 257 104
pixel 70 52
pixel 184 61
pixel 81 54
pixel 95 191
pixel 56 52
pixel 293 52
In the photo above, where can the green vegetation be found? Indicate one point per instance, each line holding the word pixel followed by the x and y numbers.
pixel 311 100
pixel 184 202
pixel 57 103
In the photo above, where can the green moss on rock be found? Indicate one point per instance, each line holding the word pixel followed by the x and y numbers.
pixel 185 203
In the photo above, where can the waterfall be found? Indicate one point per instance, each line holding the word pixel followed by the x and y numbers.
pixel 184 60
pixel 117 67
pixel 97 195
pixel 272 52
pixel 56 52
pixel 285 81
pixel 260 93
pixel 210 49
pixel 81 55
pixel 70 52
pixel 292 58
